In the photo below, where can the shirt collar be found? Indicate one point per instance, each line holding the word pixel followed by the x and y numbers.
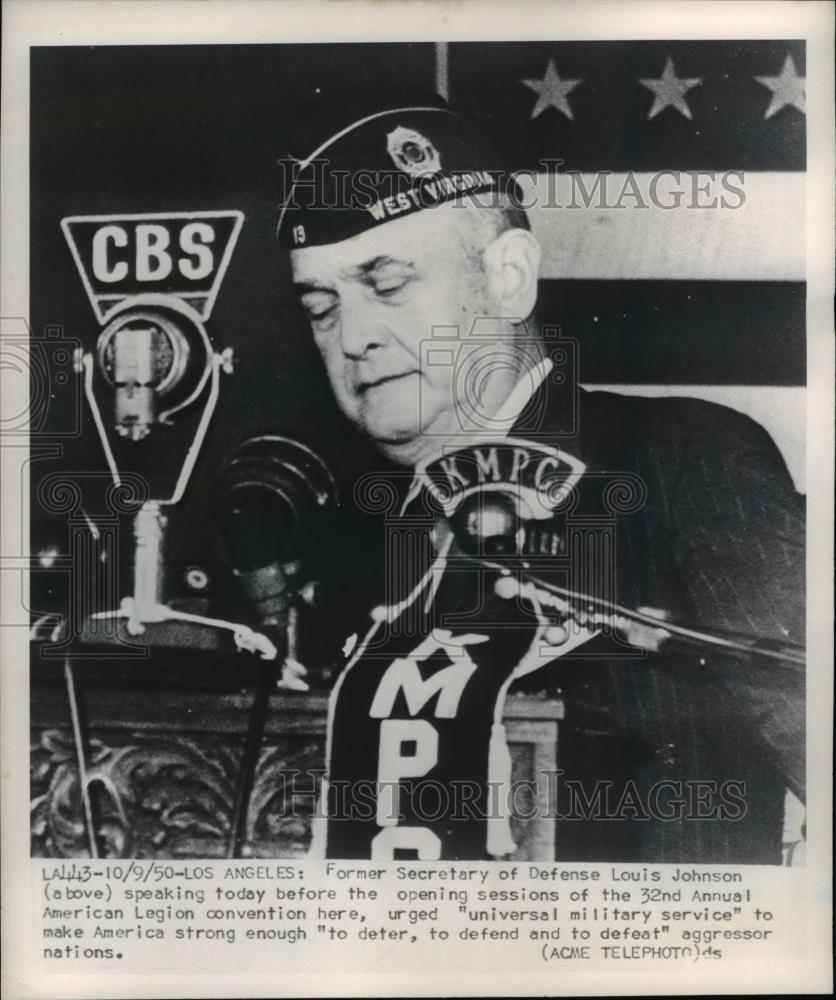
pixel 523 391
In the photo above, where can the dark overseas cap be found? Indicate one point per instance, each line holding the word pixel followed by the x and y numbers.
pixel 383 158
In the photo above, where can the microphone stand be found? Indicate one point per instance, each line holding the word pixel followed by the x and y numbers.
pixel 265 685
pixel 146 609
pixel 144 614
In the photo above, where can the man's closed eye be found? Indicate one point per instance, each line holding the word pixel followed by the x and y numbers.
pixel 320 307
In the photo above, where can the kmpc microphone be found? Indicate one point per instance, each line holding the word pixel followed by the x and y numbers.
pixel 271 500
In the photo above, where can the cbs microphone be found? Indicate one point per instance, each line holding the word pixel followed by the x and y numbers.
pixel 135 363
pixel 155 358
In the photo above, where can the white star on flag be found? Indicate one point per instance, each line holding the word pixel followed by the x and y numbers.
pixel 551 91
pixel 787 88
pixel 669 91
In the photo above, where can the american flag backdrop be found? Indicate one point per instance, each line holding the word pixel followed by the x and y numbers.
pixel 693 301
pixel 706 302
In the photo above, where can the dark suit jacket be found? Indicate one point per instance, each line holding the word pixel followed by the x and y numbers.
pixel 716 538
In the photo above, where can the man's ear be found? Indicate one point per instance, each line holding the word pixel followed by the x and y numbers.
pixel 512 264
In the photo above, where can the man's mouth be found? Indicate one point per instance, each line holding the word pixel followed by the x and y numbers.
pixel 372 383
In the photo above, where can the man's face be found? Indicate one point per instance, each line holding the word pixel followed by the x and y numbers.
pixel 372 301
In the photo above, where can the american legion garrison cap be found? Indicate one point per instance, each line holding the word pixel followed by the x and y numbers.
pixel 384 157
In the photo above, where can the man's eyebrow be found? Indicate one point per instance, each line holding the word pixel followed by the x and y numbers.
pixel 305 287
pixel 368 267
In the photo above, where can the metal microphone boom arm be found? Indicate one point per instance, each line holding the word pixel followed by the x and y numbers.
pixel 595 610
pixel 490 532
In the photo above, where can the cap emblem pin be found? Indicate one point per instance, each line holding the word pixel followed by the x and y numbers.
pixel 412 152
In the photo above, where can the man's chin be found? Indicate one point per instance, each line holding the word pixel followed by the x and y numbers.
pixel 405 441
pixel 397 444
pixel 396 422
pixel 409 447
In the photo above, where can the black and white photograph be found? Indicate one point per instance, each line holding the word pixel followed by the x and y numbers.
pixel 417 464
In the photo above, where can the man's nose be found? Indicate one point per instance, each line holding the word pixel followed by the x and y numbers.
pixel 360 331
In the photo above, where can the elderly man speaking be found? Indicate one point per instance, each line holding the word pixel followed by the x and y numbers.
pixel 548 511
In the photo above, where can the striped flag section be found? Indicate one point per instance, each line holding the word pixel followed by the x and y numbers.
pixel 759 235
pixel 700 301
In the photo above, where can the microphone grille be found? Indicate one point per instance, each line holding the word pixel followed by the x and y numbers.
pixel 272 498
